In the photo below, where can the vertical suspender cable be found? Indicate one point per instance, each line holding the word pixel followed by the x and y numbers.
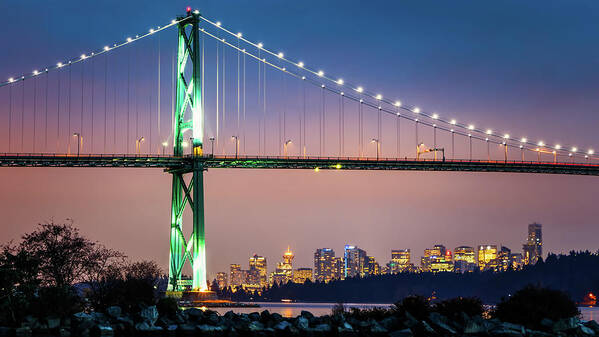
pixel 224 114
pixel 244 122
pixel 342 125
pixel 340 104
pixel 34 109
pixel 92 105
pixel 284 108
pixel 58 115
pixel 69 108
pixel 160 93
pixel 9 117
pixel 105 97
pixel 238 89
pixel 264 105
pixel 304 118
pixel 114 99
pixel 46 115
pixel 128 99
pixel 217 95
pixel 22 115
pixel 398 134
pixel 259 101
pixel 136 94
pixel 150 113
pixel 203 103
pixel 82 91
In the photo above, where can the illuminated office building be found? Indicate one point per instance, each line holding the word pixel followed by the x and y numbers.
pixel 441 264
pixel 257 275
pixel 400 261
pixel 237 276
pixel 355 260
pixel 432 255
pixel 533 248
pixel 325 265
pixel 301 275
pixel 371 267
pixel 284 271
pixel 486 254
pixel 464 259
pixel 339 268
pixel 221 280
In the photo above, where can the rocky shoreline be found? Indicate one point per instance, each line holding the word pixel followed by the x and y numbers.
pixel 197 322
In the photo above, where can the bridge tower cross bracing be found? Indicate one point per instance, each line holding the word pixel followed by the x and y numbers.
pixel 188 102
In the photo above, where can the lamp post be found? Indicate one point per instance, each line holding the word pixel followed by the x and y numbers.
pixel 378 145
pixel 164 144
pixel 211 146
pixel 236 145
pixel 287 142
pixel 138 145
pixel 78 135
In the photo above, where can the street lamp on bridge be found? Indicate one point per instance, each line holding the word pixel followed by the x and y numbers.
pixel 378 146
pixel 236 145
pixel 79 141
pixel 287 142
pixel 212 146
pixel 138 145
pixel 164 145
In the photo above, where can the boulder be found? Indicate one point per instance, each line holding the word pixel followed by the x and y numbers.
pixel 114 311
pixel 99 317
pixel 440 323
pixel 103 330
pixel 592 325
pixel 390 323
pixel 194 314
pixel 302 323
pixel 376 328
pixel 401 333
pixel 187 328
pixel 5 331
pixel 306 314
pixel 566 324
pixel 83 321
pixel 212 319
pixel 547 323
pixel 64 332
pixel 255 326
pixel 204 328
pixel 24 331
pixel 583 330
pixel 254 316
pixel 345 327
pixel 409 320
pixel 282 325
pixel 322 328
pixel 474 327
pixel 149 315
pixel 53 322
pixel 534 333
pixel 276 317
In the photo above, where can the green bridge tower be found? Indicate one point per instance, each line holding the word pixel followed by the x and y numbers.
pixel 188 116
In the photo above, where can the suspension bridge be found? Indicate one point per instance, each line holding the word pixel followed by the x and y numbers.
pixel 214 98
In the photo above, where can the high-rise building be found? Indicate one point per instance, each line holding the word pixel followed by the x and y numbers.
pixel 324 265
pixel 284 271
pixel 432 255
pixel 236 275
pixel 355 261
pixel 301 275
pixel 371 267
pixel 338 268
pixel 502 262
pixel 516 261
pixel 533 248
pixel 464 259
pixel 400 261
pixel 257 273
pixel 221 280
pixel 486 253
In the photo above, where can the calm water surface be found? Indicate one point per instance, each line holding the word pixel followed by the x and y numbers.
pixel 318 309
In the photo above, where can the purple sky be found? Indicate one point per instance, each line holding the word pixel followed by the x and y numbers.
pixel 530 69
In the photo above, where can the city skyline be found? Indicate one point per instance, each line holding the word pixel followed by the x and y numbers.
pixel 465 65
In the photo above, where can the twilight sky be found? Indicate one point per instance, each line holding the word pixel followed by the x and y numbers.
pixel 530 68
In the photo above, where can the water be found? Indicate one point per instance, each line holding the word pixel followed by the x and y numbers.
pixel 319 309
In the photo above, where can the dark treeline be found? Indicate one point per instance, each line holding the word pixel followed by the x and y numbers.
pixel 577 274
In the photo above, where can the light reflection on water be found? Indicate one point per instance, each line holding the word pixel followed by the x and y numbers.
pixel 319 309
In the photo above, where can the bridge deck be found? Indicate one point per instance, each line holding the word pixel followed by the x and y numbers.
pixel 185 163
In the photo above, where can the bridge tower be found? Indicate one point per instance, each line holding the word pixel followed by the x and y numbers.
pixel 188 102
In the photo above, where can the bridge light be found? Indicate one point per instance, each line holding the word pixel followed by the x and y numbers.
pixel 129 39
pixel 218 23
pixel 591 151
pixel 322 86
pixel 452 130
pixel 338 166
pixel 574 149
pixel 83 56
pixel 435 116
pixel 469 135
pixel 506 136
pixel 35 72
pixel 361 100
pixel 11 80
pixel 164 143
pixel 260 45
pixel 340 81
pixel 239 35
pixel 360 89
pixel 59 64
pixel 342 93
pixel 196 12
pixel 557 146
pixel 173 21
pixel 300 64
pixel 151 30
pixel 303 77
pixel 586 157
pixel 280 55
pixel 569 154
pixel 397 103
pixel 185 144
pixel 416 110
pixel 316 169
pixel 489 131
pixel 486 139
pixel 320 73
pixel 380 107
pixel 523 140
pixel 521 146
pixel 379 97
pixel 452 122
pixel 541 143
pixel 471 127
